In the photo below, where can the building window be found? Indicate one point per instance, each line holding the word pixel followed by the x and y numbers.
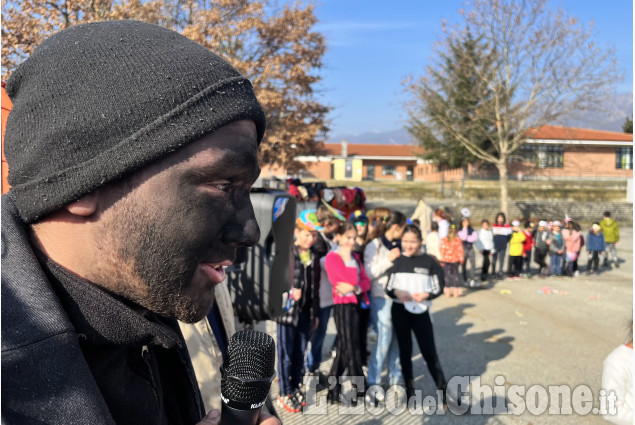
pixel 624 158
pixel 388 170
pixel 348 169
pixel 544 156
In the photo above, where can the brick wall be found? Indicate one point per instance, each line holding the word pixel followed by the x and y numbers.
pixel 430 173
pixel 400 167
pixel 317 170
pixel 579 161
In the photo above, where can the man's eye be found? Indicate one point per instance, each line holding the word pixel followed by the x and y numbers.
pixel 223 186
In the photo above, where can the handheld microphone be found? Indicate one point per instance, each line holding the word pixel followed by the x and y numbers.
pixel 246 376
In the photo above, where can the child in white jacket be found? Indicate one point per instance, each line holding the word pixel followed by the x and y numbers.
pixel 379 253
pixel 485 245
pixel 433 241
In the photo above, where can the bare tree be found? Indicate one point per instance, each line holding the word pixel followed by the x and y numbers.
pixel 275 47
pixel 542 66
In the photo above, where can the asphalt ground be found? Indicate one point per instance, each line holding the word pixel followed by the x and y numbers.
pixel 506 334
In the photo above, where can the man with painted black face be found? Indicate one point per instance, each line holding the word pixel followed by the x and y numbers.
pixel 131 151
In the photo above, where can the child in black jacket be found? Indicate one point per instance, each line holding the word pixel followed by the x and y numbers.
pixel 415 279
pixel 299 318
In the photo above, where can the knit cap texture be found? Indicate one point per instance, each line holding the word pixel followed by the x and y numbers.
pixel 96 102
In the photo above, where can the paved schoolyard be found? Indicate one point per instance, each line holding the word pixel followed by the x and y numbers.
pixel 512 333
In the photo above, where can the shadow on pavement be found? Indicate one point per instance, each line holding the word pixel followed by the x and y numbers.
pixel 463 354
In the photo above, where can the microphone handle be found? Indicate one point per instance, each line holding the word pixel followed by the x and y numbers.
pixel 231 416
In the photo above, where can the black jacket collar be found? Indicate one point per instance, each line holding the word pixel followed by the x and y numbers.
pixel 103 318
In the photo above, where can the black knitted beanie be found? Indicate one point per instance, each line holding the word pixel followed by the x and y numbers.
pixel 98 101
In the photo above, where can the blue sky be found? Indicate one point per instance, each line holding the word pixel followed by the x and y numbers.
pixel 373 45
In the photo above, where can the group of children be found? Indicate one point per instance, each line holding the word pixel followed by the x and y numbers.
pixel 381 269
pixel 367 270
pixel 551 242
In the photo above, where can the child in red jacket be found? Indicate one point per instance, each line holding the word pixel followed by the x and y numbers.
pixel 529 243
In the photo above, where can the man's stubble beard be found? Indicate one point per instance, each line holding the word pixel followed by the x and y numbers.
pixel 145 258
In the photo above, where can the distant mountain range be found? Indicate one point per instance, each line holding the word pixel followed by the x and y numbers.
pixel 615 112
pixel 394 137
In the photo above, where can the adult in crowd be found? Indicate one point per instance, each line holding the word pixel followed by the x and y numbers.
pixel 131 152
pixel 380 252
pixel 423 213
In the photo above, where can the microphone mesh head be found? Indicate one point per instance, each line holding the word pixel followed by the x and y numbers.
pixel 251 356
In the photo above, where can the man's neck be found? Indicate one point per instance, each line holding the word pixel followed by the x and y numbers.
pixel 59 239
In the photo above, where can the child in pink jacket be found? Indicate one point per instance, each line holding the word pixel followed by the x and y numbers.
pixel 572 244
pixel 349 280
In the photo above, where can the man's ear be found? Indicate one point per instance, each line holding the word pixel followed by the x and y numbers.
pixel 85 206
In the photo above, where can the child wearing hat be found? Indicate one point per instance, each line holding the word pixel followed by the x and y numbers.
pixel 360 220
pixel 516 243
pixel 595 246
pixel 541 248
pixel 301 311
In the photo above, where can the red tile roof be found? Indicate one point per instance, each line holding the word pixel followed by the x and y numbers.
pixel 553 132
pixel 372 150
pixel 547 132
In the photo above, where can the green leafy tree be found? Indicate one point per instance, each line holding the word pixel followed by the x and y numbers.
pixel 453 93
pixel 627 127
pixel 543 67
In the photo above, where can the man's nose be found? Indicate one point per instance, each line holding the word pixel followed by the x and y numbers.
pixel 243 230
